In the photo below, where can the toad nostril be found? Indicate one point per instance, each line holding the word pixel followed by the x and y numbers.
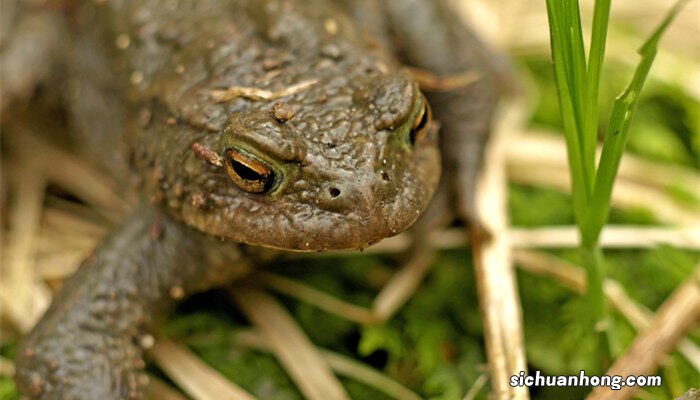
pixel 386 177
pixel 334 192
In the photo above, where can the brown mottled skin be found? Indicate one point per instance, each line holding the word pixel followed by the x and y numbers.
pixel 335 141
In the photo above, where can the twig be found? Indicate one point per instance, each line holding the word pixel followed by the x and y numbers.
pixel 404 283
pixel 351 368
pixel 543 148
pixel 691 394
pixel 159 390
pixel 343 365
pixel 21 298
pixel 80 179
pixel 626 195
pixel 619 237
pixel 59 265
pixel 476 388
pixel 196 378
pixel 675 318
pixel 495 278
pixel 300 358
pixel 253 93
pixel 318 298
pixel 429 81
pixel 69 221
pixel 393 295
pixel 52 242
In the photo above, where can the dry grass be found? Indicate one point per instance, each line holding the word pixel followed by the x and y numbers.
pixel 495 278
pixel 679 314
pixel 344 366
pixel 195 378
pixel 300 358
pixel 42 241
pixel 574 278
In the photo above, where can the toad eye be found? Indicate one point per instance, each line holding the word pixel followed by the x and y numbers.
pixel 420 124
pixel 249 174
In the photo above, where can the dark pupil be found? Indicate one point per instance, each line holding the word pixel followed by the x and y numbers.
pixel 246 173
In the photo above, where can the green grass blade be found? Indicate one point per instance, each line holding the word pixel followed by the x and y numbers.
pixel 618 132
pixel 563 73
pixel 578 55
pixel 568 19
pixel 601 16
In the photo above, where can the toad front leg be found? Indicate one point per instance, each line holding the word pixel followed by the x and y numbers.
pixel 88 344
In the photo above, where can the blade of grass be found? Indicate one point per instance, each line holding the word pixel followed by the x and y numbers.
pixel 579 78
pixel 559 47
pixel 578 86
pixel 601 16
pixel 569 62
pixel 617 133
pixel 574 64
